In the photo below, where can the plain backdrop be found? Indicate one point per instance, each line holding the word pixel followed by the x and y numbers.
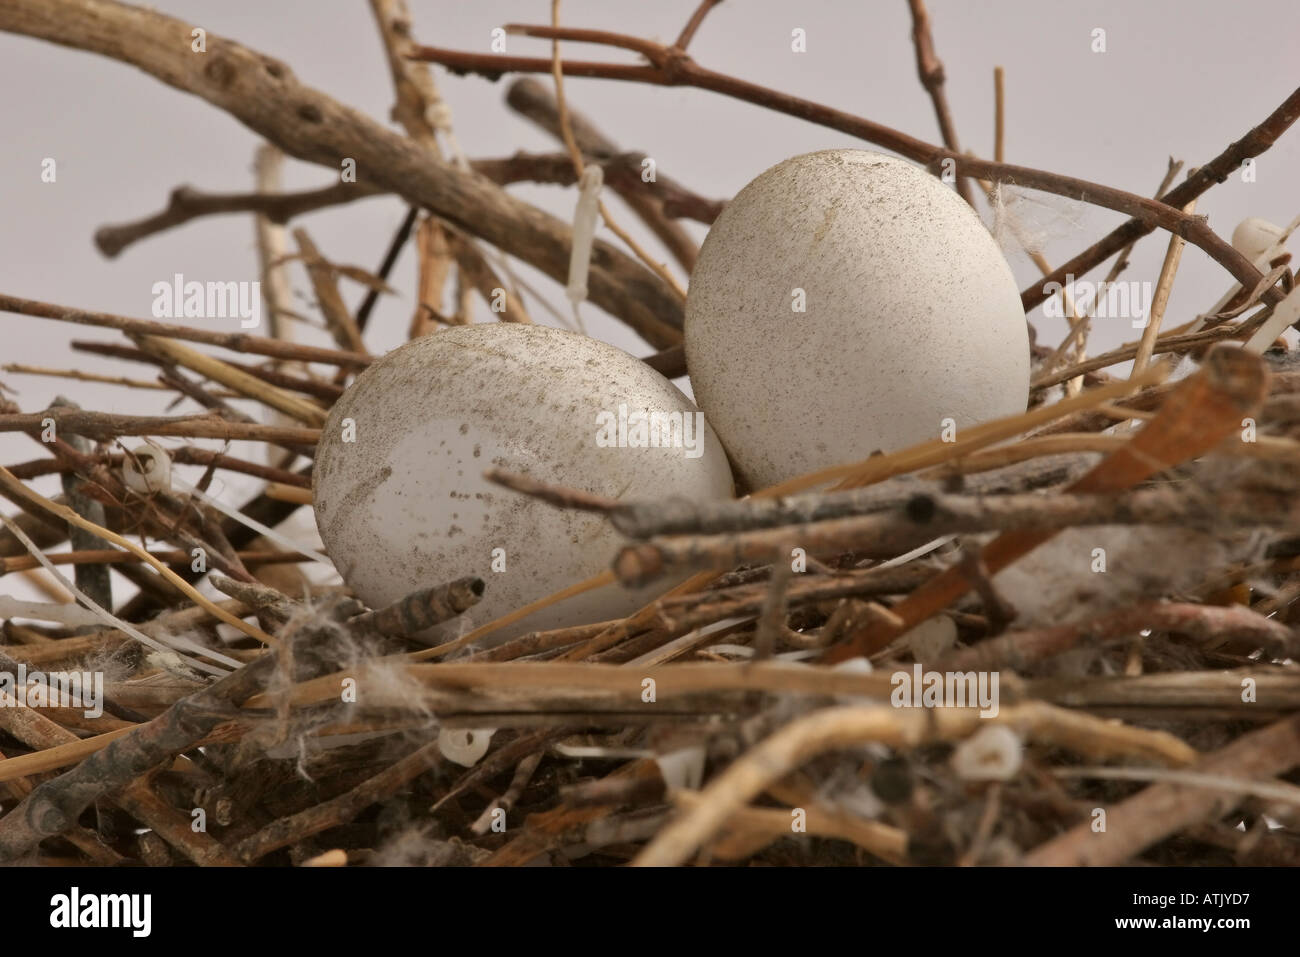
pixel 1181 79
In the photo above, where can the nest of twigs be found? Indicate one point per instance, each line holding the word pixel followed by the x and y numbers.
pixel 1108 580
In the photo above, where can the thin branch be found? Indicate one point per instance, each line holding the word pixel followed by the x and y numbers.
pixel 930 68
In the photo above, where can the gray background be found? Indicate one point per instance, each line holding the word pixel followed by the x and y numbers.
pixel 1178 78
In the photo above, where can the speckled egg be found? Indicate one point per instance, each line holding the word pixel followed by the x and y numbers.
pixel 398 487
pixel 847 302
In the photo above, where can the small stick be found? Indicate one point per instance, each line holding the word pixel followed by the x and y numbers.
pixel 423 609
pixel 930 68
pixel 1159 302
pixel 339 810
pixel 187 203
pixel 104 426
pixel 325 284
pixel 1163 810
pixel 236 341
pixel 251 386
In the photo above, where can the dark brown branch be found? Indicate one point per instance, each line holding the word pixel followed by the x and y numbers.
pixel 693 24
pixel 187 203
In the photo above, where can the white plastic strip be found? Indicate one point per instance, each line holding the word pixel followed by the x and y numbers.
pixel 584 231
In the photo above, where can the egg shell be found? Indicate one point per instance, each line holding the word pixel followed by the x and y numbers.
pixel 405 505
pixel 1254 236
pixel 912 316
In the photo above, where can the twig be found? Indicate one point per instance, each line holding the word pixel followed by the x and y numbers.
pixel 187 203
pixel 322 274
pixel 930 68
pixel 1159 302
pixel 106 425
pixel 1164 809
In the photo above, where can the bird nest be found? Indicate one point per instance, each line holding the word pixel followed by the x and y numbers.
pixel 1063 637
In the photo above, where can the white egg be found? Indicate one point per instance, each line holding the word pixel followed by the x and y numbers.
pixel 400 498
pixel 1254 236
pixel 845 302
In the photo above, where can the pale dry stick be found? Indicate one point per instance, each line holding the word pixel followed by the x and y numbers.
pixel 42 582
pixel 771 824
pixel 475 270
pixel 543 678
pixel 420 110
pixel 575 155
pixel 937 451
pixel 1160 301
pixel 12 485
pixel 1165 809
pixel 51 759
pixel 111 556
pixel 885 841
pixel 288 493
pixel 417 94
pixel 837 728
pixel 272 242
pixel 325 284
pixel 249 385
pixel 1180 343
pixel 523 774
pixel 1080 333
